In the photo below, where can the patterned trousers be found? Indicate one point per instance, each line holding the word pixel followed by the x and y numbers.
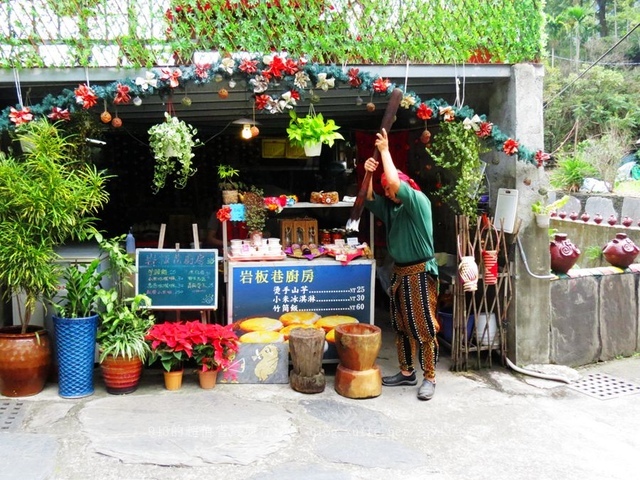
pixel 414 297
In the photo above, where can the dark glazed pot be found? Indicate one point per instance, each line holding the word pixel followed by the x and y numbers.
pixel 620 251
pixel 564 254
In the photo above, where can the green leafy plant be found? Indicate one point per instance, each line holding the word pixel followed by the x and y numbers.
pixel 255 211
pixel 227 175
pixel 124 322
pixel 47 198
pixel 457 150
pixel 570 172
pixel 81 286
pixel 312 129
pixel 172 142
pixel 541 207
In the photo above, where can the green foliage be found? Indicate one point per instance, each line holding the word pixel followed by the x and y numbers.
pixel 47 198
pixel 227 174
pixel 255 210
pixel 325 31
pixel 124 322
pixel 81 285
pixel 312 129
pixel 541 207
pixel 172 142
pixel 570 172
pixel 457 151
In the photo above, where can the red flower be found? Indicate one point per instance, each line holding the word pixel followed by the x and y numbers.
pixel 202 70
pixel 58 113
pixel 122 95
pixel 542 157
pixel 275 69
pixel 295 94
pixel 224 214
pixel 381 85
pixel 485 129
pixel 510 147
pixel 424 112
pixel 248 66
pixel 171 76
pixel 20 117
pixel 354 80
pixel 290 67
pixel 262 101
pixel 85 96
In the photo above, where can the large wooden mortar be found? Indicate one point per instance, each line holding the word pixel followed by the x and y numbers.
pixel 357 375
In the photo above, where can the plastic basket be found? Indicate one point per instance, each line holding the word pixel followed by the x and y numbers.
pixel 445 319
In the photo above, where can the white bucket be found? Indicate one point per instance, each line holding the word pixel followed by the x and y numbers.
pixel 486 337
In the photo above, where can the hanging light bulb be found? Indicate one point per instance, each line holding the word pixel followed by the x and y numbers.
pixel 246 131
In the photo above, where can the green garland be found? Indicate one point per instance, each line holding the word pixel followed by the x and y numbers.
pixel 278 83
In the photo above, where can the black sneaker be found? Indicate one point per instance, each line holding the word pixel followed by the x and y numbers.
pixel 400 379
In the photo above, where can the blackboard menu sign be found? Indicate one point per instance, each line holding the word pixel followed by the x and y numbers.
pixel 178 279
pixel 273 288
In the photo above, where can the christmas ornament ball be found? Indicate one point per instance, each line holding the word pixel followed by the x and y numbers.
pixel 371 107
pixel 116 122
pixel 105 117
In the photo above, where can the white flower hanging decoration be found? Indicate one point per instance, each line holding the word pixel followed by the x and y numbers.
pixel 408 101
pixel 301 80
pixel 260 84
pixel 228 65
pixel 325 83
pixel 149 80
pixel 472 123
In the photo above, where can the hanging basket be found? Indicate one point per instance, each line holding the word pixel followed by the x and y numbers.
pixel 468 272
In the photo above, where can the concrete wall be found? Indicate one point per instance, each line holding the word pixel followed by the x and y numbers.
pixel 594 318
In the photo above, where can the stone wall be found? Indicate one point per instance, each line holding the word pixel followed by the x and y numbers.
pixel 594 318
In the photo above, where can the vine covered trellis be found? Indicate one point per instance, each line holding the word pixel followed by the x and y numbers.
pixel 146 33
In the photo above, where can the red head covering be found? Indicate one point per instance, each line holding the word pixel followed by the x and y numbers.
pixel 403 178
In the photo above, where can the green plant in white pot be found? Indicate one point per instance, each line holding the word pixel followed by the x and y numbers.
pixel 312 131
pixel 172 142
pixel 47 198
pixel 228 183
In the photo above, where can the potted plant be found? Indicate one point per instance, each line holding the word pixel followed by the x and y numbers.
pixel 542 210
pixel 214 347
pixel 255 213
pixel 312 131
pixel 172 345
pixel 172 142
pixel 124 323
pixel 47 198
pixel 228 185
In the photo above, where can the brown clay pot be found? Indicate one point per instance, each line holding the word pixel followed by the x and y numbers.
pixel 25 360
pixel 620 251
pixel 173 380
pixel 121 375
pixel 564 254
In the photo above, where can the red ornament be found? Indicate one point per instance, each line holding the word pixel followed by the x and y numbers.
pixel 255 131
pixel 425 137
pixel 116 122
pixel 223 93
pixel 371 107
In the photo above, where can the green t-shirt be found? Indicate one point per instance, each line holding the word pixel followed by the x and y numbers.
pixel 408 226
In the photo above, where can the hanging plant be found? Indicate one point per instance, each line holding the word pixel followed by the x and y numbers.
pixel 305 131
pixel 171 143
pixel 457 150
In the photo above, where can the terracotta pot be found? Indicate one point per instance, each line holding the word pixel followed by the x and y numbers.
pixel 207 379
pixel 173 380
pixel 564 254
pixel 25 360
pixel 121 375
pixel 620 251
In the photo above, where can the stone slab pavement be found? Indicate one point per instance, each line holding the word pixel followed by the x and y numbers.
pixel 492 423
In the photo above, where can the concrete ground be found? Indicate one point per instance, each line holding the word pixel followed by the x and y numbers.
pixel 491 423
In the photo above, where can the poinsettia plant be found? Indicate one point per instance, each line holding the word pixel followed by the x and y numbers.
pixel 171 343
pixel 214 346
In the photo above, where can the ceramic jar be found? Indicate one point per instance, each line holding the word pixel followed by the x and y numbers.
pixel 564 254
pixel 620 251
